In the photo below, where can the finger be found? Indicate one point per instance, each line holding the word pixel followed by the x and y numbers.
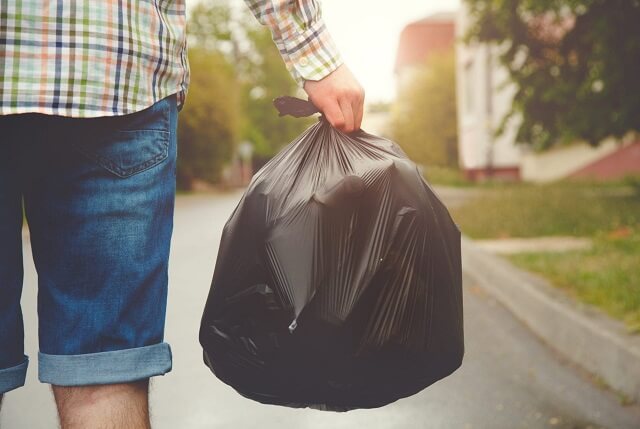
pixel 347 113
pixel 358 109
pixel 334 115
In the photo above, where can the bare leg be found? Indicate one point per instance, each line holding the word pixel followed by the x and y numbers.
pixel 109 406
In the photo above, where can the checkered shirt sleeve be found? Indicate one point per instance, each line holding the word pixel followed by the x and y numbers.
pixel 301 36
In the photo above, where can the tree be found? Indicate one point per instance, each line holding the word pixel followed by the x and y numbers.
pixel 424 118
pixel 575 65
pixel 210 25
pixel 258 67
pixel 266 79
pixel 209 123
pixel 236 71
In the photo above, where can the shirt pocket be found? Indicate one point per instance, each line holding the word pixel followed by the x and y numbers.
pixel 128 152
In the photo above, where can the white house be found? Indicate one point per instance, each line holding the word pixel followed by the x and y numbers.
pixel 482 101
pixel 484 97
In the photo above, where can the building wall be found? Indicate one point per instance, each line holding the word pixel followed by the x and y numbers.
pixel 483 99
pixel 560 162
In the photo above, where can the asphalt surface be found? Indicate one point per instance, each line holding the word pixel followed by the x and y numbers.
pixel 508 379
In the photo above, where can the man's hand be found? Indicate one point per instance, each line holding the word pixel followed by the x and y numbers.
pixel 339 97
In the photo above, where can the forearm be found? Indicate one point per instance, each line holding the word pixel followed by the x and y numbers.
pixel 313 59
pixel 301 36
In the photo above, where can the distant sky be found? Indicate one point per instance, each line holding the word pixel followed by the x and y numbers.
pixel 367 32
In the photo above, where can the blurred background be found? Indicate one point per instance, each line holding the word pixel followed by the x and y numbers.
pixel 524 116
pixel 535 104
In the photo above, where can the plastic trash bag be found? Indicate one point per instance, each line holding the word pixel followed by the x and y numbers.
pixel 338 280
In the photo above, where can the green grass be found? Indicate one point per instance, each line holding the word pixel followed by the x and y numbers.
pixel 527 210
pixel 445 176
pixel 607 275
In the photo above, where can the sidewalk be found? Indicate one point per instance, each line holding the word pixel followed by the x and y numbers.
pixel 582 334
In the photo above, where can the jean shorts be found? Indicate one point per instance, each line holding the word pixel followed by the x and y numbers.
pixel 98 196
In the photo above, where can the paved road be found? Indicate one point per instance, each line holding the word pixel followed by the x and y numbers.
pixel 508 379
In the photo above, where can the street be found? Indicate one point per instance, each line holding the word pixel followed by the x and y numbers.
pixel 508 379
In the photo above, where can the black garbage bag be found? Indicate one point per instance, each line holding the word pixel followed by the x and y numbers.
pixel 338 280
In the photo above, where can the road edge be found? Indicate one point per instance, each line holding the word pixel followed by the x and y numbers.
pixel 583 335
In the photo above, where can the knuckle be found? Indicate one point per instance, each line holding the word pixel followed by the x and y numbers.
pixel 346 90
pixel 353 93
pixel 336 91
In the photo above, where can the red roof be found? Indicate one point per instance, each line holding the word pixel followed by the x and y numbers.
pixel 421 39
pixel 624 160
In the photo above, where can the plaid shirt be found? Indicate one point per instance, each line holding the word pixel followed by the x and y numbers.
pixel 88 58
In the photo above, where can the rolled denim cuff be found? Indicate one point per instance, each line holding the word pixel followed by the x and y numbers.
pixel 13 377
pixel 119 366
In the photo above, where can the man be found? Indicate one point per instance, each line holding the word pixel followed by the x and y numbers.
pixel 89 96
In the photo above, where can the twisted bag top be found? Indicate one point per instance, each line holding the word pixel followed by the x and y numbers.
pixel 338 281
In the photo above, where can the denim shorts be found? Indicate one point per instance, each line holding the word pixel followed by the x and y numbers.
pixel 98 196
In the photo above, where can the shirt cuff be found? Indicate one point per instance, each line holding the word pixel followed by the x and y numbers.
pixel 311 54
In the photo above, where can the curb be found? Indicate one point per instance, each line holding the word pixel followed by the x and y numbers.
pixel 582 334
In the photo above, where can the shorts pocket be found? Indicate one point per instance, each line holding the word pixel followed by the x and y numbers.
pixel 127 152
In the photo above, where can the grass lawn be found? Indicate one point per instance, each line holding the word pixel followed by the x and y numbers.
pixel 445 176
pixel 608 275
